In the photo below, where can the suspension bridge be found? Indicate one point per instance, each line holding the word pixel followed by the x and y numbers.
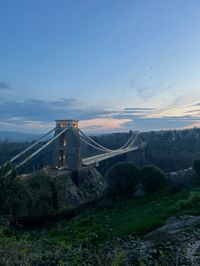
pixel 67 153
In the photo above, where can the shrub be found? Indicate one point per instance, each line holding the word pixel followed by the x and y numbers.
pixel 11 192
pixel 152 178
pixel 196 166
pixel 192 202
pixel 42 198
pixel 122 178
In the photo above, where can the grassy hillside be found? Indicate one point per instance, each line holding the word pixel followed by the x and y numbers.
pixel 69 241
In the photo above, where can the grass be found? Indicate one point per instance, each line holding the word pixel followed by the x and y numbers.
pixel 99 224
pixel 126 217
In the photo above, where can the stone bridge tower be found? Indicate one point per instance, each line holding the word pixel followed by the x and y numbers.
pixel 67 147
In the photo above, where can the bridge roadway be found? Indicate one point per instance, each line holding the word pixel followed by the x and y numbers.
pixel 101 157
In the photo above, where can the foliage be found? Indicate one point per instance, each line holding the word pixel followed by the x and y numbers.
pixel 11 191
pixel 162 148
pixel 196 166
pixel 119 258
pixel 41 196
pixel 192 201
pixel 122 178
pixel 32 197
pixel 152 178
pixel 91 238
pixel 171 150
pixel 10 149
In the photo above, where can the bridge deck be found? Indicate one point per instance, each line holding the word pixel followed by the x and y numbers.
pixel 98 158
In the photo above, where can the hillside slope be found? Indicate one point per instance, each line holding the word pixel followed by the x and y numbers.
pixel 109 234
pixel 17 136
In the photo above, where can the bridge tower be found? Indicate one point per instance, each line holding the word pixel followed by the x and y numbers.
pixel 67 147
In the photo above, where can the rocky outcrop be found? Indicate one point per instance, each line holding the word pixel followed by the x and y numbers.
pixel 163 247
pixel 175 243
pixel 182 178
pixel 174 225
pixel 51 192
pixel 75 189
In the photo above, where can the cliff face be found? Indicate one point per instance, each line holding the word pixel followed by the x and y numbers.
pixel 52 192
pixel 74 190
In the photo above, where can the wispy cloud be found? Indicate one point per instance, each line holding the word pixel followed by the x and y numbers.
pixel 138 109
pixel 33 114
pixel 38 115
pixel 103 124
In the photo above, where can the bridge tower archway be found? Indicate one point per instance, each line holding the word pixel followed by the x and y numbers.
pixel 67 147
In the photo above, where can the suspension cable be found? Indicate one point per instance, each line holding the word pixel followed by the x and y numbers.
pixel 129 140
pixel 97 148
pixel 40 149
pixel 93 145
pixel 106 149
pixel 31 146
pixel 90 144
pixel 133 142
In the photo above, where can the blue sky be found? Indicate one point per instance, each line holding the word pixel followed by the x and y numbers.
pixel 114 64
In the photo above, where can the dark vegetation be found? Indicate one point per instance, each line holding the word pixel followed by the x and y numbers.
pixel 125 178
pixel 10 149
pixel 153 179
pixel 196 166
pixel 90 238
pixel 168 150
pixel 35 198
pixel 122 179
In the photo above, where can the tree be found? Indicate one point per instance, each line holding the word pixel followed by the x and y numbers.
pixel 42 196
pixel 196 166
pixel 11 191
pixel 152 178
pixel 122 178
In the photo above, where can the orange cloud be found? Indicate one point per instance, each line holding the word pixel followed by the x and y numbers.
pixel 103 124
pixel 197 124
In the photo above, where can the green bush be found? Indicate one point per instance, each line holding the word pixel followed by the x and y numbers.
pixel 196 166
pixel 152 178
pixel 122 178
pixel 11 192
pixel 41 199
pixel 34 197
pixel 192 202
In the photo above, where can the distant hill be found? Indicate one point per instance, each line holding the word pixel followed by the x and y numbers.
pixel 18 136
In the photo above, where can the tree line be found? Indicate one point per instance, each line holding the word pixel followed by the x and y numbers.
pixel 169 150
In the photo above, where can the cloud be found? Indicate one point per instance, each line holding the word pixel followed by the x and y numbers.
pixel 162 123
pixel 103 124
pixel 197 124
pixel 138 109
pixel 36 115
pixel 35 109
pixel 144 119
pixel 23 125
pixel 4 86
pixel 195 104
pixel 33 114
pixel 128 113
